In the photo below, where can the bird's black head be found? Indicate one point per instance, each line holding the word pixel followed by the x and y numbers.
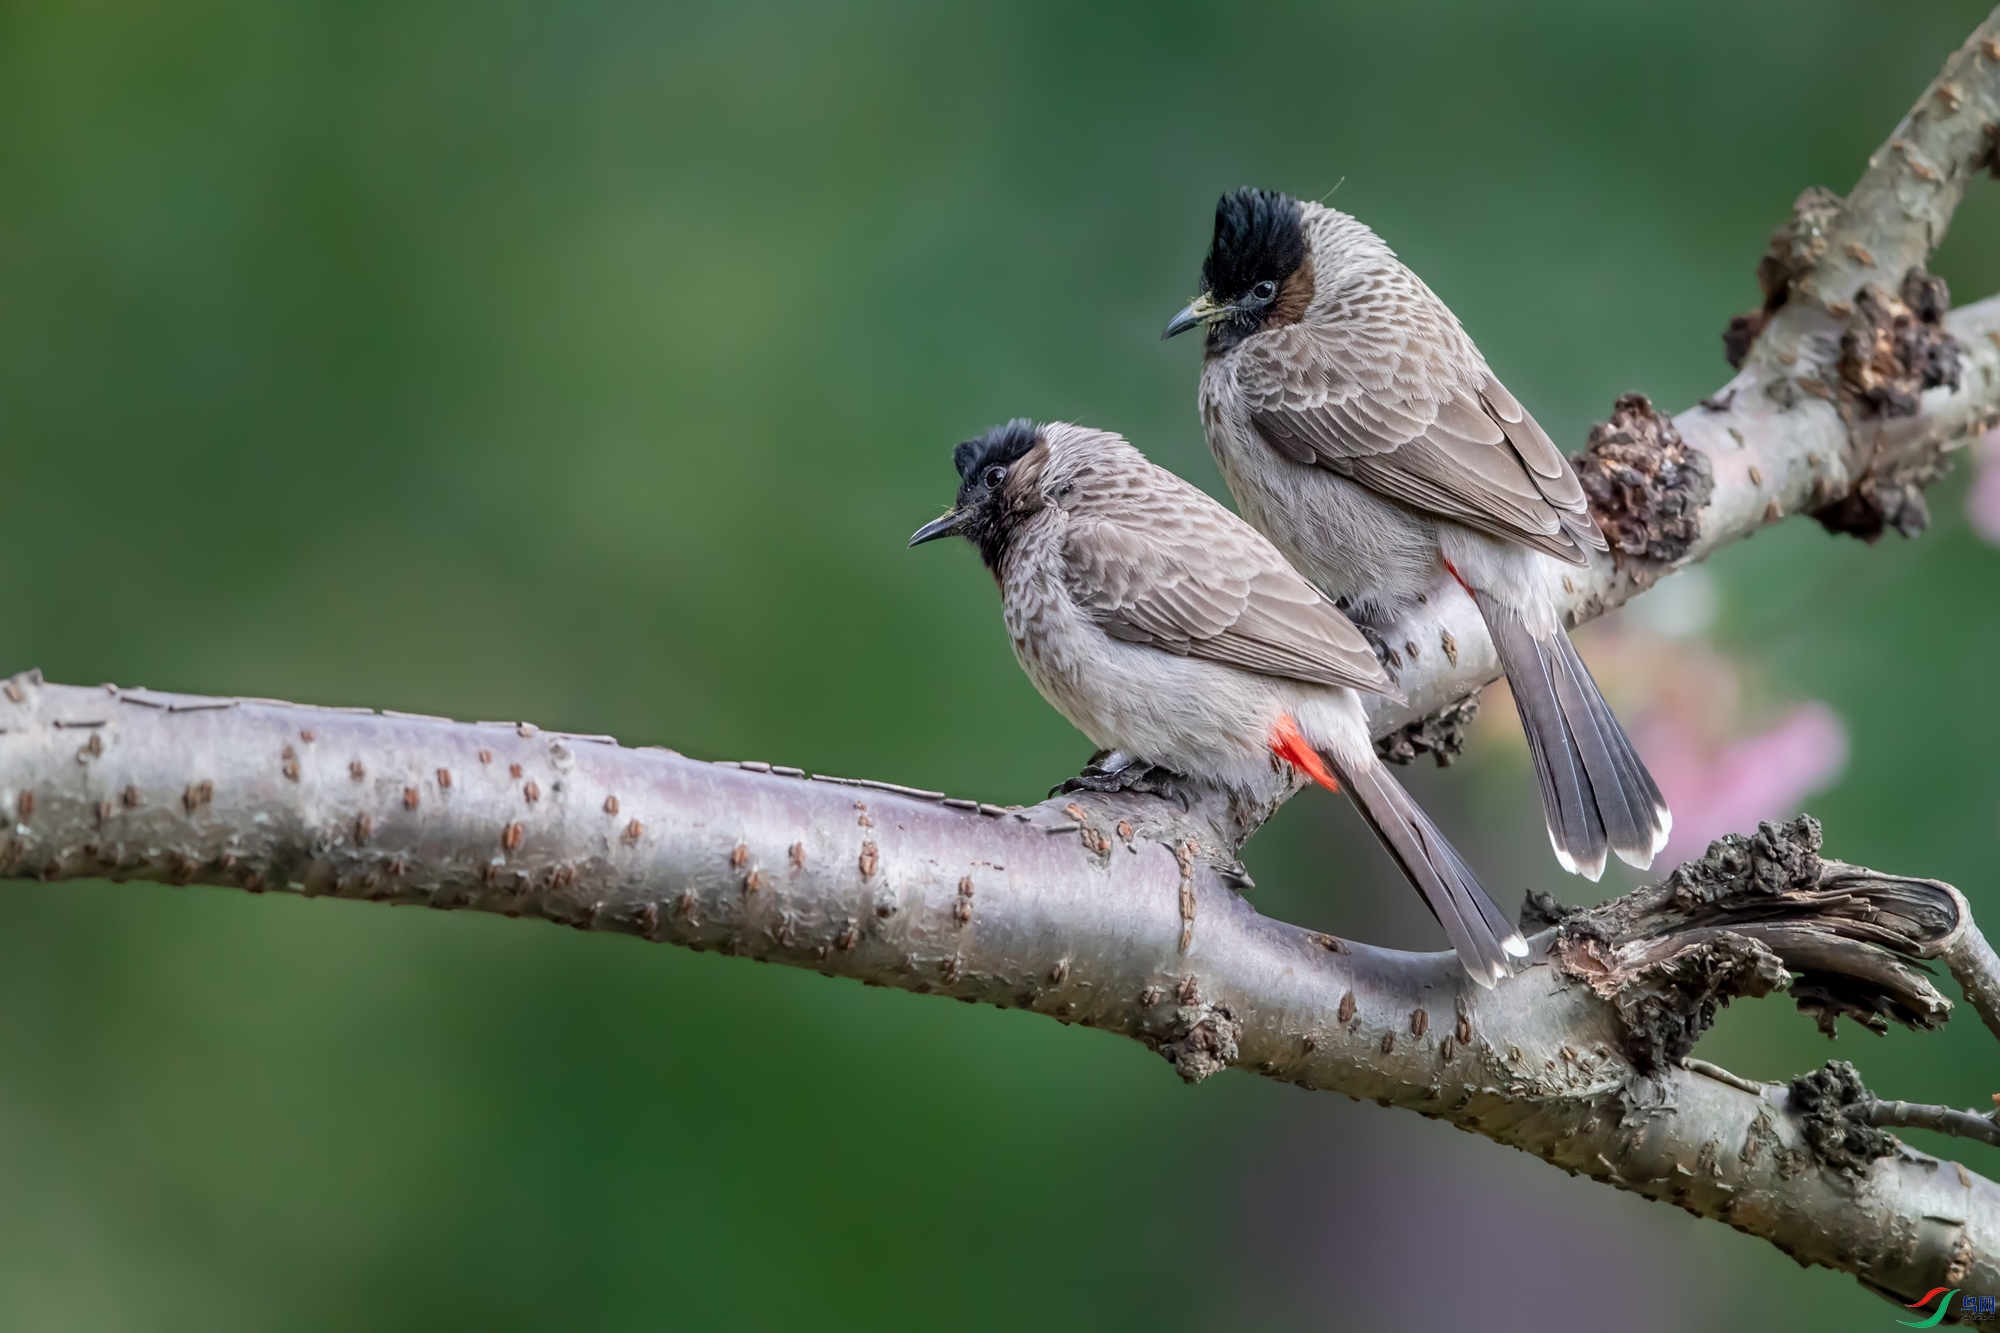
pixel 1256 273
pixel 994 490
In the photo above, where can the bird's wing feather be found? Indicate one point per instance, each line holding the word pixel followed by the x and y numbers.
pixel 1404 407
pixel 1180 573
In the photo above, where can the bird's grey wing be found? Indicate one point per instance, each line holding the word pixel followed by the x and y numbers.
pixel 1389 405
pixel 1186 582
pixel 1551 471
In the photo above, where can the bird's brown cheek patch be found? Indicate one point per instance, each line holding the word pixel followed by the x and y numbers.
pixel 1022 489
pixel 1293 297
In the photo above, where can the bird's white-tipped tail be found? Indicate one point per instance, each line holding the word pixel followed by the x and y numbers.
pixel 1485 940
pixel 1596 793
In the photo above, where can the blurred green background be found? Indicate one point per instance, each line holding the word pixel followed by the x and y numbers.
pixel 590 364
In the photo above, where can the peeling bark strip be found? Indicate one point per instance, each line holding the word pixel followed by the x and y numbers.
pixel 1739 921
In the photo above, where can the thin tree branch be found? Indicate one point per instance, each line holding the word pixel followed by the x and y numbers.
pixel 1976 968
pixel 1941 1119
pixel 1871 1110
pixel 1115 911
pixel 1788 435
pixel 1769 460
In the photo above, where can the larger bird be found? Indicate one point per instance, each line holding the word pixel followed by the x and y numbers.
pixel 1166 629
pixel 1363 433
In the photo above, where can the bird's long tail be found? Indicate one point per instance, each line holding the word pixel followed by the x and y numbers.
pixel 1485 940
pixel 1480 932
pixel 1595 791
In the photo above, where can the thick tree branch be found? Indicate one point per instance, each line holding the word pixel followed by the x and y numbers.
pixel 1106 911
pixel 1117 912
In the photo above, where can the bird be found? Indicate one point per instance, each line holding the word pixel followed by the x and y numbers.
pixel 1359 428
pixel 1173 635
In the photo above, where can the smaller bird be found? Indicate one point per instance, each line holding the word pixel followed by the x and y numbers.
pixel 1173 634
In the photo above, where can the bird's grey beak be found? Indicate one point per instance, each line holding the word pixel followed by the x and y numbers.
pixel 1201 310
pixel 936 528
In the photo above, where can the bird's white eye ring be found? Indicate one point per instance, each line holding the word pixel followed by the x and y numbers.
pixel 1265 290
pixel 994 476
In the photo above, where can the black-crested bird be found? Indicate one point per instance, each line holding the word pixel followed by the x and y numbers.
pixel 1363 433
pixel 1168 631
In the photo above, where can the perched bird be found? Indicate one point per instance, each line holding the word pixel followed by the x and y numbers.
pixel 1169 632
pixel 1362 432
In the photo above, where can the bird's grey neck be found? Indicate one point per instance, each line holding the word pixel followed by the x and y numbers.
pixel 1340 242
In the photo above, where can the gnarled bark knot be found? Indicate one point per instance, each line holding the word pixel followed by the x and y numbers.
pixel 1203 1040
pixel 1440 735
pixel 1756 915
pixel 1832 1105
pixel 1893 348
pixel 1795 249
pixel 1647 486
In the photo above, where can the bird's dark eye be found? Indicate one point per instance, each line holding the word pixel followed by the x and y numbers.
pixel 1265 290
pixel 994 476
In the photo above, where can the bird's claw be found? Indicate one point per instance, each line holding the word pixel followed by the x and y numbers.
pixel 1109 773
pixel 1385 652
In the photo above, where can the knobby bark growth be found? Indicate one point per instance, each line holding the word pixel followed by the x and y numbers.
pixel 1122 911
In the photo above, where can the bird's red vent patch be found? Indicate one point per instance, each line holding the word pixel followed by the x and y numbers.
pixel 1288 745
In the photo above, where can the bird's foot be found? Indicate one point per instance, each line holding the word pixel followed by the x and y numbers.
pixel 1385 652
pixel 1112 771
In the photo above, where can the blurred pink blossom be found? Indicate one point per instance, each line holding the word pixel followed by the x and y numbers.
pixel 1982 503
pixel 1764 776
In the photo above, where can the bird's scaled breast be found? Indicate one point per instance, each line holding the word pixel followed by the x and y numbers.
pixel 1052 639
pixel 1190 714
pixel 1345 538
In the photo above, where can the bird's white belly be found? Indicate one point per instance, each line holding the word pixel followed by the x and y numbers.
pixel 1189 714
pixel 1186 713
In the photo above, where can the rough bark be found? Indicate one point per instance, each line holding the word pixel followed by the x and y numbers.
pixel 1110 911
pixel 1118 911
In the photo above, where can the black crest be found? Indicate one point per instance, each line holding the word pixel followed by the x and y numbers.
pixel 1002 445
pixel 1259 237
pixel 987 517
